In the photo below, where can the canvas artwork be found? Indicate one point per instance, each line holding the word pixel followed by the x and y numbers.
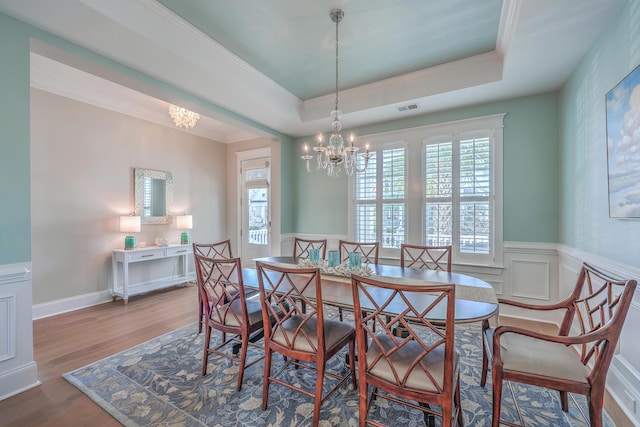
pixel 623 147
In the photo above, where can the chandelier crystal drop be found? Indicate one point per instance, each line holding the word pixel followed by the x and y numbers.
pixel 183 117
pixel 335 156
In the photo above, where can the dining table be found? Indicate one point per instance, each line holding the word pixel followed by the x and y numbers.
pixel 475 299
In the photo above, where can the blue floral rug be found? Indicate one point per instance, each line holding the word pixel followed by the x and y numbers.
pixel 158 383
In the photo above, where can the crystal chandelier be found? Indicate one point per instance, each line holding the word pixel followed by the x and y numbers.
pixel 335 154
pixel 183 117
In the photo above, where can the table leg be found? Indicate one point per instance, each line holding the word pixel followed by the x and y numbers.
pixel 429 419
pixel 235 349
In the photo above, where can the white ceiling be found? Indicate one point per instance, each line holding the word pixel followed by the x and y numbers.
pixel 273 62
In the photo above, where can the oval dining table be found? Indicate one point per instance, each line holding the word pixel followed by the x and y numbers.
pixel 475 299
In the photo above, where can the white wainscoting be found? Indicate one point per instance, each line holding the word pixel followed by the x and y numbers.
pixel 18 370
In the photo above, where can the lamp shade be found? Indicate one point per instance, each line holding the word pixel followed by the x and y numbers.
pixel 184 222
pixel 130 224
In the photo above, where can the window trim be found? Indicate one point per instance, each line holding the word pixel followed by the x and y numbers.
pixel 414 138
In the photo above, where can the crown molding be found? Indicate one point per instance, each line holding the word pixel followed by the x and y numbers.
pixel 452 76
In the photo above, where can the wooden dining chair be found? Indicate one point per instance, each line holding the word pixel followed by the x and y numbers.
pixel 369 253
pixel 301 247
pixel 577 359
pixel 210 250
pixel 301 336
pixel 368 250
pixel 227 310
pixel 419 364
pixel 426 257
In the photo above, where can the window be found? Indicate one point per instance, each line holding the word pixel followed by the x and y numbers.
pixel 457 199
pixel 385 171
pixel 442 185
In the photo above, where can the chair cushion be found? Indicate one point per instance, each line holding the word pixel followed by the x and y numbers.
pixel 531 355
pixel 254 312
pixel 334 331
pixel 402 360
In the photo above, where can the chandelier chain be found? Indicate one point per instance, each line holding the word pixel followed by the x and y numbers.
pixel 337 56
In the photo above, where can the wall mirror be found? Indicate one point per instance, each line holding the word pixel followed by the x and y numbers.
pixel 153 196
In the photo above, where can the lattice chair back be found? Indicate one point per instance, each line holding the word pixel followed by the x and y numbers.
pixel 217 250
pixel 600 305
pixel 287 291
pixel 426 257
pixel 214 250
pixel 301 247
pixel 222 290
pixel 368 250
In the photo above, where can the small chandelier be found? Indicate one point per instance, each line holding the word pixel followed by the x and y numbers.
pixel 183 117
pixel 335 153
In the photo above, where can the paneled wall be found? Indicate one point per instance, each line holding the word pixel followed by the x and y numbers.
pixel 18 371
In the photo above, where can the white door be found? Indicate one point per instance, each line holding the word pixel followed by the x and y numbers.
pixel 255 205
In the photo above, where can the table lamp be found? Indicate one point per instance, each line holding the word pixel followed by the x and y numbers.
pixel 129 224
pixel 184 222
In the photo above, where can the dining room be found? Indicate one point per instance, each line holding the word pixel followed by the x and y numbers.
pixel 547 210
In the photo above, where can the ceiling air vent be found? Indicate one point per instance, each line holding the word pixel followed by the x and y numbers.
pixel 408 107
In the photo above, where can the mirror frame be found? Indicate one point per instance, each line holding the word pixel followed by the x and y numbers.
pixel 139 175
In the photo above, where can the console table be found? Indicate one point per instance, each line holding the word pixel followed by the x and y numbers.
pixel 121 261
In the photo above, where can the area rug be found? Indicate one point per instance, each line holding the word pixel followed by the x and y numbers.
pixel 159 383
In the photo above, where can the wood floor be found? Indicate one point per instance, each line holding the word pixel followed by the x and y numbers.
pixel 68 341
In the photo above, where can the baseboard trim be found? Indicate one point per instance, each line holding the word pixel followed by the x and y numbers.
pixel 18 380
pixel 52 308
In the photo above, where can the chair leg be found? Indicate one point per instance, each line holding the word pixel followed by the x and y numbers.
pixel 340 313
pixel 485 356
pixel 564 401
pixel 595 402
pixel 205 355
pixel 447 415
pixel 317 402
pixel 352 363
pixel 362 405
pixel 200 312
pixel 496 377
pixel 268 353
pixel 458 401
pixel 243 358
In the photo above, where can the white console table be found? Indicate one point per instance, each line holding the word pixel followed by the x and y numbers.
pixel 121 260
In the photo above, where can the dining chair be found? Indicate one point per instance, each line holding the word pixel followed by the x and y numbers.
pixel 369 253
pixel 210 250
pixel 301 247
pixel 301 336
pixel 577 359
pixel 369 250
pixel 426 257
pixel 418 364
pixel 227 310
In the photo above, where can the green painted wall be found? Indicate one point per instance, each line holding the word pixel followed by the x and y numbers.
pixel 15 226
pixel 530 171
pixel 287 184
pixel 584 220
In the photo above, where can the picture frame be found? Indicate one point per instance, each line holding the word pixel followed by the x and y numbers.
pixel 623 146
